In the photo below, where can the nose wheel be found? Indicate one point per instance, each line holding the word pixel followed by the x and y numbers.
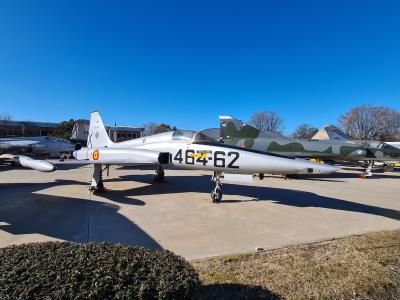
pixel 159 177
pixel 216 193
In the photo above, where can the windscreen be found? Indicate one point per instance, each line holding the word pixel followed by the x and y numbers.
pixel 183 135
pixel 208 135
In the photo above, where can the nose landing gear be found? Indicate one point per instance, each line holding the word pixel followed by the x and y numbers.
pixel 216 193
pixel 159 177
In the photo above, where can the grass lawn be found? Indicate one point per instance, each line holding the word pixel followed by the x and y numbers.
pixel 358 267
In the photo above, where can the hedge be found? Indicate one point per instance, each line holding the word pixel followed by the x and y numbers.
pixel 62 270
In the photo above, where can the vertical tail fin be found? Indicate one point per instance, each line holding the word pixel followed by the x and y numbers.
pixel 98 136
pixel 233 128
pixel 331 132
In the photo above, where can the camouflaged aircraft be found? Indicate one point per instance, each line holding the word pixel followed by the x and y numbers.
pixel 387 153
pixel 236 132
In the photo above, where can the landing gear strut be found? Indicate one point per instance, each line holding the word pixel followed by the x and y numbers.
pixel 97 185
pixel 368 172
pixel 216 193
pixel 159 177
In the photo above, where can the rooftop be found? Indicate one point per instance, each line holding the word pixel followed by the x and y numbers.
pixel 53 125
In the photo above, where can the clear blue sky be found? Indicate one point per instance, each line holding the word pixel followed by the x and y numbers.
pixel 186 62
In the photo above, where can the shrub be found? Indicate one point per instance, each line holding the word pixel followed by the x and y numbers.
pixel 60 270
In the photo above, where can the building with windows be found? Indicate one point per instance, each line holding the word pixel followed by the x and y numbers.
pixel 78 135
pixel 116 133
pixel 26 128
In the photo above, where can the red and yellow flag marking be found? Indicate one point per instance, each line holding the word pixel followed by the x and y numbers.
pixel 95 154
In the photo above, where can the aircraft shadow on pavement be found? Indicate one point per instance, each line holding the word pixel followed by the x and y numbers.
pixel 23 210
pixel 68 165
pixel 202 184
pixel 335 177
pixel 8 167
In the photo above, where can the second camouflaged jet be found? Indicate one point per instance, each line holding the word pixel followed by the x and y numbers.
pixel 236 132
pixel 384 152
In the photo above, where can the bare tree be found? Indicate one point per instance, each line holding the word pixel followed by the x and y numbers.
pixel 5 117
pixel 149 128
pixel 267 121
pixel 304 131
pixel 153 128
pixel 164 128
pixel 371 122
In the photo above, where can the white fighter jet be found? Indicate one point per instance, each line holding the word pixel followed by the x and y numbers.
pixel 188 150
pixel 12 151
pixel 28 162
pixel 48 146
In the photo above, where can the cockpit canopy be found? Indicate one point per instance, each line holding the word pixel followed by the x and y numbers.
pixel 57 139
pixel 208 135
pixel 183 135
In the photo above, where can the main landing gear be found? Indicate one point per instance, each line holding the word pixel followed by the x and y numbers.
pixel 216 193
pixel 159 177
pixel 368 171
pixel 97 185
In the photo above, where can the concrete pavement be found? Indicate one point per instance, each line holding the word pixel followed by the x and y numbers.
pixel 178 214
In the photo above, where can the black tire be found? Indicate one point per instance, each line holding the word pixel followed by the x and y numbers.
pixel 161 176
pixel 388 169
pixel 216 196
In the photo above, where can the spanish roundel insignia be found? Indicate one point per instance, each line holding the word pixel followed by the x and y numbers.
pixel 95 154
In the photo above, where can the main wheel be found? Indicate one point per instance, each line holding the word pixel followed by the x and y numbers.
pixel 216 195
pixel 99 189
pixel 388 168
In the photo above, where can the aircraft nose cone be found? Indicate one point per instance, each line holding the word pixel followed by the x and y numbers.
pixel 308 167
pixel 45 166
